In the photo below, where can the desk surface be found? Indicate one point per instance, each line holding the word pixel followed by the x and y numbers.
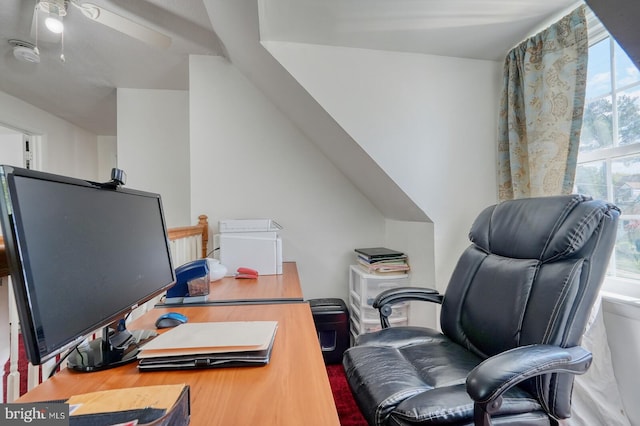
pixel 293 389
pixel 285 286
pixel 266 289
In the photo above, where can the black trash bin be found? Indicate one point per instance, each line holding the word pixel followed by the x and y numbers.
pixel 331 318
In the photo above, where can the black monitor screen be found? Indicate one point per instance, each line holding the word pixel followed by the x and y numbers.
pixel 81 255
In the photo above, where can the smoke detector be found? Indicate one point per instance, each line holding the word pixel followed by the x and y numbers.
pixel 25 51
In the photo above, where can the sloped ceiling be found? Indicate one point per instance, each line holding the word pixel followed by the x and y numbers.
pixel 473 29
pixel 99 59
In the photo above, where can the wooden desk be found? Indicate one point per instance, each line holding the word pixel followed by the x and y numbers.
pixel 293 389
pixel 284 288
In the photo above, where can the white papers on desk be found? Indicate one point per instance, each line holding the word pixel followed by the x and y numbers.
pixel 211 338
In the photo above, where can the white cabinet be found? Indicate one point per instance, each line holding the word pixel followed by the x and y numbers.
pixel 363 289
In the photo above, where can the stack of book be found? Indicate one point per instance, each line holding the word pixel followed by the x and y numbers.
pixel 381 260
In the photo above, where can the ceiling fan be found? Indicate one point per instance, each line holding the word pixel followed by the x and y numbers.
pixel 56 10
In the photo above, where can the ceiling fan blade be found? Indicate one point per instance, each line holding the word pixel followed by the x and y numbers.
pixel 125 25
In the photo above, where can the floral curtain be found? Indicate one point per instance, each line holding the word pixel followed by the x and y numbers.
pixel 541 109
pixel 540 119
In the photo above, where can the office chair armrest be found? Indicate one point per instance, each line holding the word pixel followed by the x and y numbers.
pixel 490 379
pixel 383 303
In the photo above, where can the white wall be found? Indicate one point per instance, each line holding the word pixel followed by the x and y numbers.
pixel 107 156
pixel 11 148
pixel 64 148
pixel 153 147
pixel 428 121
pixel 249 161
pixel 416 239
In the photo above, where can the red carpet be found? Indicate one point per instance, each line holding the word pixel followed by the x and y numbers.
pixel 348 411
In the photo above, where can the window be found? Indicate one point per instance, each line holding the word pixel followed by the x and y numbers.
pixel 609 155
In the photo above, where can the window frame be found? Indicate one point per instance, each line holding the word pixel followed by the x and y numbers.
pixel 621 288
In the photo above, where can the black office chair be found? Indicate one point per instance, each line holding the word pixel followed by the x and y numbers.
pixel 512 318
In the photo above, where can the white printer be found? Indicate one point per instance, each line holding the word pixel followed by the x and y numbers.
pixel 251 243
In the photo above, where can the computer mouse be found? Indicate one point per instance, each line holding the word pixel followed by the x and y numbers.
pixel 170 319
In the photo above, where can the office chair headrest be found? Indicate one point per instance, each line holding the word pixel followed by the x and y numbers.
pixel 543 228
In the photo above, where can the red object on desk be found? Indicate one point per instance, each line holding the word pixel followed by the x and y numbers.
pixel 247 273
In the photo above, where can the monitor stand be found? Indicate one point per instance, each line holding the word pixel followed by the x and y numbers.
pixel 113 349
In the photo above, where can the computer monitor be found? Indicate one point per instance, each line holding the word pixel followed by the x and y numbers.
pixel 82 255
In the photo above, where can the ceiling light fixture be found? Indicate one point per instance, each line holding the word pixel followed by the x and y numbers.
pixel 53 11
pixel 54 24
pixel 56 10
